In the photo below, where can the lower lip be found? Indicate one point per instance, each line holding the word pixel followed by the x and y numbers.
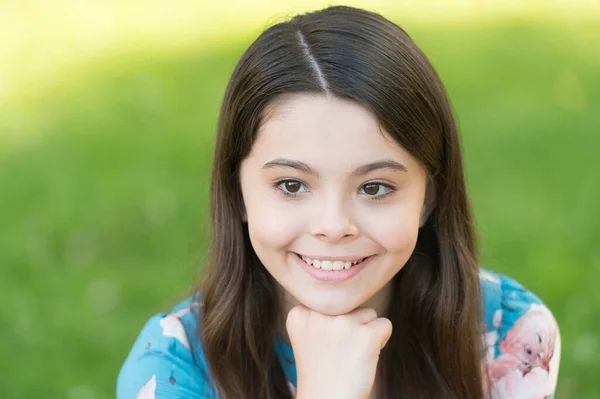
pixel 332 276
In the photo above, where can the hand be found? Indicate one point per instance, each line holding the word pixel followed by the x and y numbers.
pixel 336 356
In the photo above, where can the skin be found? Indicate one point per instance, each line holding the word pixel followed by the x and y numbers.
pixel 335 212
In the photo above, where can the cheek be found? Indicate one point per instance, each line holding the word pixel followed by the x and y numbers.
pixel 395 230
pixel 270 226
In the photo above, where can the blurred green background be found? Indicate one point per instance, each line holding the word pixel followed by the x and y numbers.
pixel 107 117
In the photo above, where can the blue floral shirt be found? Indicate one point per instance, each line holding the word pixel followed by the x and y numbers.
pixel 522 350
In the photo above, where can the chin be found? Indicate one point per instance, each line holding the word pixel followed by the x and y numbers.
pixel 330 308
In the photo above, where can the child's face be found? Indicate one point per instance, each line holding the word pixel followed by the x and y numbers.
pixel 334 213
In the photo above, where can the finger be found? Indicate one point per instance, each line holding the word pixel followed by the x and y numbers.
pixel 363 315
pixel 295 317
pixel 382 328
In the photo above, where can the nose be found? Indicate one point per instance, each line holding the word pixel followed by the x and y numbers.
pixel 334 222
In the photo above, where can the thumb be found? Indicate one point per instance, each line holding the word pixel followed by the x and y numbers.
pixel 382 328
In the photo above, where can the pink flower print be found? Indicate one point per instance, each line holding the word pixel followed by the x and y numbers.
pixel 526 367
pixel 530 342
pixel 516 386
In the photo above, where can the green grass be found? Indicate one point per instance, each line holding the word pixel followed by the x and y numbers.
pixel 104 186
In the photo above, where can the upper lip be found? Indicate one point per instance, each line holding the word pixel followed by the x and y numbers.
pixel 334 258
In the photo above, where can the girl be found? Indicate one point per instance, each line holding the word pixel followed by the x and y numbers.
pixel 343 260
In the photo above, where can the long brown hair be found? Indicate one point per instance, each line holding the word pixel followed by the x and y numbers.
pixel 353 54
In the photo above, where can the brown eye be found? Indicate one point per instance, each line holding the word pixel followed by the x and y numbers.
pixel 376 191
pixel 371 189
pixel 292 186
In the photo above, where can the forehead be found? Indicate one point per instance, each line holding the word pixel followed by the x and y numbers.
pixel 316 126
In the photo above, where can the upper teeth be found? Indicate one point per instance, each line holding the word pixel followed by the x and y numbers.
pixel 330 265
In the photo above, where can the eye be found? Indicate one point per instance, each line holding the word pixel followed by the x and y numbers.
pixel 377 190
pixel 289 187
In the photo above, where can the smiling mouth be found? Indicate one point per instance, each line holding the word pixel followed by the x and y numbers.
pixel 325 264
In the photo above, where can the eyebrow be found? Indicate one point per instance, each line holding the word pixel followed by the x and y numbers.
pixel 360 171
